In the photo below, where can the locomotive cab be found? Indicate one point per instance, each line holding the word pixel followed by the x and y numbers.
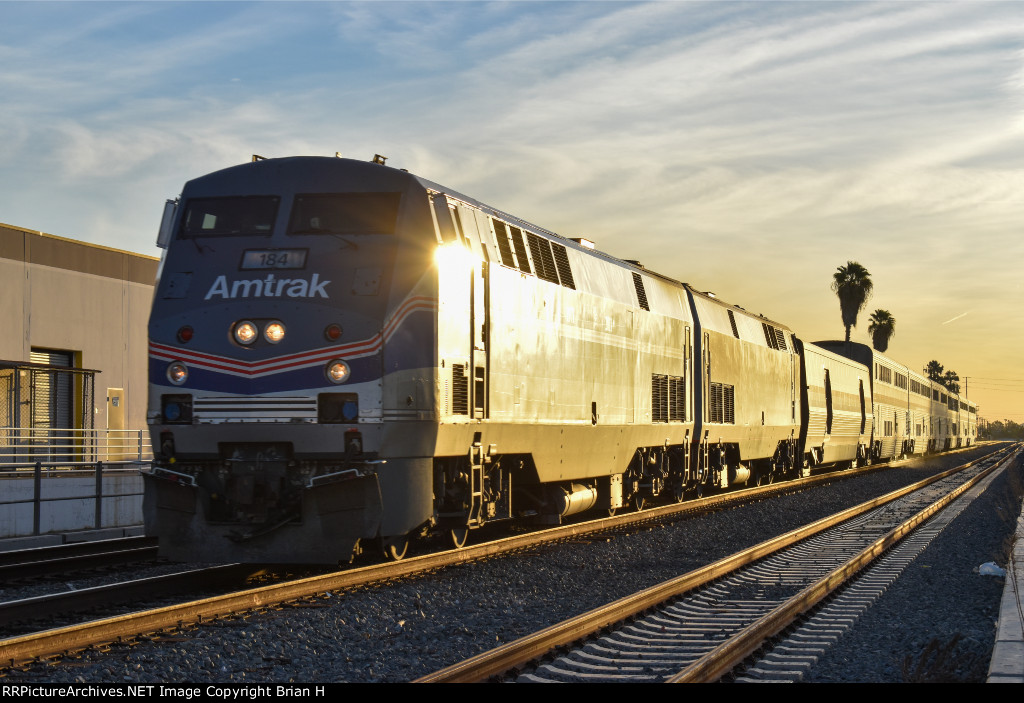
pixel 295 297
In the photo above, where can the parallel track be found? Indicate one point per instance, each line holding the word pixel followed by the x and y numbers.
pixel 116 595
pixel 60 559
pixel 703 636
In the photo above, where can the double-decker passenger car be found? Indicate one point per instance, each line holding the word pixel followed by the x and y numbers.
pixel 911 414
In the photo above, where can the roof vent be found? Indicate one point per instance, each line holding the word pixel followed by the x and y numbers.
pixel 641 294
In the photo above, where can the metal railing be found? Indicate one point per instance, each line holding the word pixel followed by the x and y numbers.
pixel 97 471
pixel 28 445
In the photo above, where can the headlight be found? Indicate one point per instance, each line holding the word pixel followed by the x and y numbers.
pixel 177 373
pixel 245 332
pixel 274 332
pixel 338 371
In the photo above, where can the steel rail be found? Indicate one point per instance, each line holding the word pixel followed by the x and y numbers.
pixel 517 653
pixel 65 602
pixel 63 565
pixel 21 650
pixel 61 551
pixel 724 658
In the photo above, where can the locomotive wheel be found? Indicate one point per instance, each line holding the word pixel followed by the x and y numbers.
pixel 459 536
pixel 679 492
pixel 395 547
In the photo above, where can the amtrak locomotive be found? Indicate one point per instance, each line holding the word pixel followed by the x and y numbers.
pixel 343 354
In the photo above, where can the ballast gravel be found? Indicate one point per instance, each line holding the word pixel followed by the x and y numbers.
pixel 399 631
pixel 936 623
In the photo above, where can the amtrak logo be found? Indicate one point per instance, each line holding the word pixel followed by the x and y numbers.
pixel 268 287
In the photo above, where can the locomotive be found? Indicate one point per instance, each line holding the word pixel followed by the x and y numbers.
pixel 343 354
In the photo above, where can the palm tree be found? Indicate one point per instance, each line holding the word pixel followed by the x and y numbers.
pixel 881 329
pixel 951 381
pixel 852 283
pixel 934 371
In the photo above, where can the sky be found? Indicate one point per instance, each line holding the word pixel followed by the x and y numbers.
pixel 747 148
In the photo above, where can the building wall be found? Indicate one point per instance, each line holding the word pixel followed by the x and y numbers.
pixel 62 294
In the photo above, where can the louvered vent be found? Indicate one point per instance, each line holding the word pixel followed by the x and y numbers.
pixel 562 264
pixel 780 339
pixel 732 321
pixel 659 398
pixel 774 336
pixel 504 248
pixel 715 403
pixel 542 259
pixel 460 390
pixel 641 294
pixel 722 403
pixel 677 399
pixel 520 246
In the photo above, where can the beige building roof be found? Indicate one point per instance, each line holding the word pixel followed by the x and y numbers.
pixel 91 304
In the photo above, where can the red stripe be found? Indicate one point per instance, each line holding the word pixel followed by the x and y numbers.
pixel 292 361
pixel 178 352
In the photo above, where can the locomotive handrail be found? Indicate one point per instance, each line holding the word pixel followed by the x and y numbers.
pixel 187 478
pixel 316 480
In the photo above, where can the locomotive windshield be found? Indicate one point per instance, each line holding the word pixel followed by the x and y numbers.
pixel 231 217
pixel 345 213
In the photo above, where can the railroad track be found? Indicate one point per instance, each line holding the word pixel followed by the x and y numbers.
pixel 24 564
pixel 44 608
pixel 700 626
pixel 24 649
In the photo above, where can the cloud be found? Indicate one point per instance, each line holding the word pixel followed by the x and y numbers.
pixel 747 147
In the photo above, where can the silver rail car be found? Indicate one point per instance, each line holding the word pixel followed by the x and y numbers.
pixel 912 415
pixel 343 354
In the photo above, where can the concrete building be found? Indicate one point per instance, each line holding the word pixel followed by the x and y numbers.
pixel 75 306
